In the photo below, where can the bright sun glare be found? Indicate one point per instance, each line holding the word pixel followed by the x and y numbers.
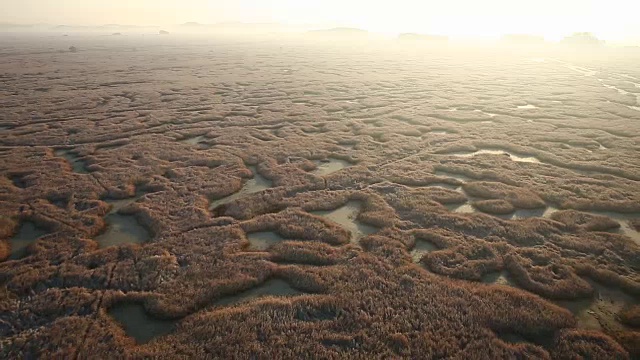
pixel 612 20
pixel 468 18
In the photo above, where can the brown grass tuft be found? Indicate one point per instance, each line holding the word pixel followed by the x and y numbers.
pixel 497 207
pixel 542 273
pixel 630 316
pixel 630 341
pixel 469 261
pixel 584 344
pixel 575 220
pixel 518 197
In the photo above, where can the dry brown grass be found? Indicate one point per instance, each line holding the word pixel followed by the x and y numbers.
pixel 579 220
pixel 497 207
pixel 543 273
pixel 7 227
pixel 366 299
pixel 572 344
pixel 630 316
pixel 606 276
pixel 518 197
pixel 305 253
pixel 470 261
pixel 630 341
pixel 296 224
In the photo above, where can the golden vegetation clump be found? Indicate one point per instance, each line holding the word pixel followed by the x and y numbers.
pixel 572 344
pixel 497 207
pixel 441 238
pixel 630 341
pixel 469 261
pixel 631 316
pixel 628 284
pixel 296 224
pixel 518 197
pixel 165 212
pixel 540 272
pixel 5 250
pixel 579 220
pixel 421 197
pixel 313 253
pixel 7 229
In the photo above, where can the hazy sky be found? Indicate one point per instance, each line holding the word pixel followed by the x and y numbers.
pixel 609 19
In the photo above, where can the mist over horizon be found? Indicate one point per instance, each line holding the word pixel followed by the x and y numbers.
pixel 611 21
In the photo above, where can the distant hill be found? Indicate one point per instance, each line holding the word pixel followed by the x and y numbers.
pixel 422 37
pixel 582 39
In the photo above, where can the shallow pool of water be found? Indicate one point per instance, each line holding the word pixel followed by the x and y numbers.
pixel 256 184
pixel 193 140
pixel 345 216
pixel 122 229
pixel 76 162
pixel 117 204
pixel 529 213
pixel 138 324
pixel 422 247
pixel 498 278
pixel 461 208
pixel 331 166
pixel 27 234
pixel 486 113
pixel 447 186
pixel 512 156
pixel 441 185
pixel 448 174
pixel 263 240
pixel 272 287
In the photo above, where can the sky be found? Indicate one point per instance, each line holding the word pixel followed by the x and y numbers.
pixel 613 20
